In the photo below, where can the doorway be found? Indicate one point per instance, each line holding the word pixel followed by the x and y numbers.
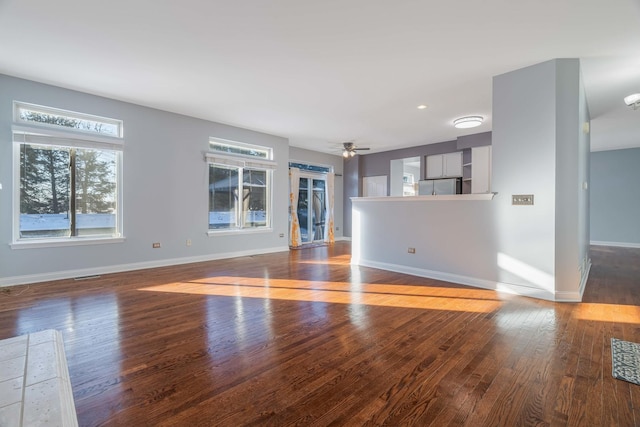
pixel 405 174
pixel 312 208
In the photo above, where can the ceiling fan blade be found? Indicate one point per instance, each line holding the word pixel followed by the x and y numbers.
pixel 358 149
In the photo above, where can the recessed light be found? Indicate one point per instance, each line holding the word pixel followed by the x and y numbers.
pixel 632 100
pixel 468 122
pixel 422 107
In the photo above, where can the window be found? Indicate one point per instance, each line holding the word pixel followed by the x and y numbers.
pixel 239 148
pixel 239 186
pixel 54 118
pixel 68 169
pixel 311 168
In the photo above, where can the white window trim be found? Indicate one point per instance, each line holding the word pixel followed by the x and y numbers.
pixel 241 161
pixel 238 230
pixel 235 231
pixel 64 138
pixel 22 243
pixel 17 105
pixel 76 241
pixel 44 134
pixel 322 165
pixel 231 143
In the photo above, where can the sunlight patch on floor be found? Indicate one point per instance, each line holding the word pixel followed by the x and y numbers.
pixel 407 296
pixel 618 313
pixel 381 288
pixel 331 261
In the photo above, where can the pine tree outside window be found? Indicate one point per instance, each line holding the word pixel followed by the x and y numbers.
pixel 69 186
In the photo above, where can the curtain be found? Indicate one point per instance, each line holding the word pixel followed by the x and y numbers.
pixel 319 212
pixel 328 230
pixel 294 226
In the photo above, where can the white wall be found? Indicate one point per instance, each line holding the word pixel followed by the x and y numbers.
pixel 523 162
pixel 584 183
pixel 615 197
pixel 538 148
pixel 165 190
pixel 454 240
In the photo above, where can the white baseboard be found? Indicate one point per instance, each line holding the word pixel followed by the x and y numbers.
pixel 616 244
pixel 96 271
pixel 343 238
pixel 585 277
pixel 510 288
pixel 563 296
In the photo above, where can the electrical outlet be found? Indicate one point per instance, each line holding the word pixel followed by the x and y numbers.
pixel 281 234
pixel 156 245
pixel 522 199
pixel 337 228
pixel 412 250
pixel 188 242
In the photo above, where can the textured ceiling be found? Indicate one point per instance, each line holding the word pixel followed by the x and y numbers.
pixel 320 73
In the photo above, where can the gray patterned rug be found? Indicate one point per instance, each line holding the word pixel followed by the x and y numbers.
pixel 625 358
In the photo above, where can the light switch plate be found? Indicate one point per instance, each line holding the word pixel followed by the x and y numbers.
pixel 522 199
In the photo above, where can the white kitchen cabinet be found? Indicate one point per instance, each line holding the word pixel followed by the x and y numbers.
pixel 453 164
pixel 447 165
pixel 434 166
pixel 481 169
pixel 374 186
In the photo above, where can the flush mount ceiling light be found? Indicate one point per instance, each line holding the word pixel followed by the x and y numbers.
pixel 468 122
pixel 633 100
pixel 421 107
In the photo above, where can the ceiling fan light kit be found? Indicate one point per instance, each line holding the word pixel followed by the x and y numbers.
pixel 468 122
pixel 350 149
pixel 633 100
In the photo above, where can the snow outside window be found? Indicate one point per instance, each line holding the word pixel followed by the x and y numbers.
pixel 240 188
pixel 69 186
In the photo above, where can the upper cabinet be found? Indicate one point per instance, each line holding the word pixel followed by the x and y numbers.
pixel 453 164
pixel 435 167
pixel 444 165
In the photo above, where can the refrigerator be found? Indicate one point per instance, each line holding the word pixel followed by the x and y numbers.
pixel 430 187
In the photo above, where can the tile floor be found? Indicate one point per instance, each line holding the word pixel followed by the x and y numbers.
pixel 34 381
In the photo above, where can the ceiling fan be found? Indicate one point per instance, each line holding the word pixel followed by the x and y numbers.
pixel 350 149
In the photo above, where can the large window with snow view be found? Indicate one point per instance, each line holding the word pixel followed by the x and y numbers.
pixel 239 186
pixel 69 182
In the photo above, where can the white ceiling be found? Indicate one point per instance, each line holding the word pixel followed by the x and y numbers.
pixel 323 72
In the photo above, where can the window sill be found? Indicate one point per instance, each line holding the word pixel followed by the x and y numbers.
pixel 77 241
pixel 226 232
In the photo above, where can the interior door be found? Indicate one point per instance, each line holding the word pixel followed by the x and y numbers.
pixel 312 208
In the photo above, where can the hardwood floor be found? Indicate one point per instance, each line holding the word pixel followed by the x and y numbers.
pixel 303 338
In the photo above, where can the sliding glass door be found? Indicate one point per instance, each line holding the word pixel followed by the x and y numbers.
pixel 312 208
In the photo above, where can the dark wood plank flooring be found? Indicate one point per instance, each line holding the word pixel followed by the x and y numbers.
pixel 303 338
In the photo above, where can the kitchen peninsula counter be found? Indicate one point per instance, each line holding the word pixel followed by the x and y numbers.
pixel 437 197
pixel 453 238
